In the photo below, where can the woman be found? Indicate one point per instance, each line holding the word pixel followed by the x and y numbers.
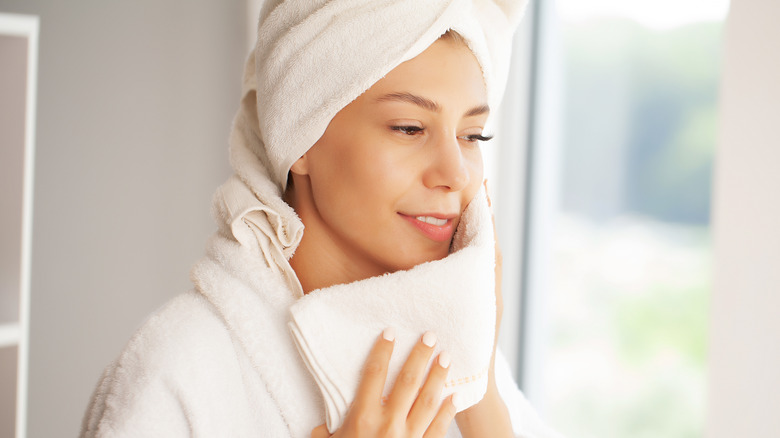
pixel 361 122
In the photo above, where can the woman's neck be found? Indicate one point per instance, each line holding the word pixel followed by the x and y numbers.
pixel 318 268
pixel 318 261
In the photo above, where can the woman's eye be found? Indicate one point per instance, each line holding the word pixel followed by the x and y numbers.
pixel 476 137
pixel 408 130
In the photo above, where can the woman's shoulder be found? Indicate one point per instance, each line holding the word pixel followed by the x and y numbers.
pixel 179 369
pixel 185 330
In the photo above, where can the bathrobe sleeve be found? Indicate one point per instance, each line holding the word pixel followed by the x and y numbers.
pixel 526 422
pixel 121 409
pixel 181 375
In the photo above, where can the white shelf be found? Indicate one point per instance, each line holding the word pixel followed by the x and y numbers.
pixel 10 334
pixel 16 334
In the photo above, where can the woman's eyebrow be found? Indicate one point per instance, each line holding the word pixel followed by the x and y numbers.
pixel 411 98
pixel 428 104
pixel 477 111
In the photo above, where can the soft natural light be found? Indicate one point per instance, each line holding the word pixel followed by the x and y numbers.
pixel 620 238
pixel 657 14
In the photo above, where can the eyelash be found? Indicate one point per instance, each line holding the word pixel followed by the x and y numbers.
pixel 408 130
pixel 477 137
pixel 415 130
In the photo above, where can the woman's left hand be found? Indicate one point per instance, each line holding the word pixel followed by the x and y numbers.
pixel 499 273
pixel 490 416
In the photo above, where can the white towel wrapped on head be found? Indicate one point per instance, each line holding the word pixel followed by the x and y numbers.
pixel 313 57
pixel 334 328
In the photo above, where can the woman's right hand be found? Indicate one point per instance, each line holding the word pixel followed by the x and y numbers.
pixel 413 408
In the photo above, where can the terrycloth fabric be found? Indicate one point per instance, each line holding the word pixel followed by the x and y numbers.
pixel 215 362
pixel 219 362
pixel 263 221
pixel 334 328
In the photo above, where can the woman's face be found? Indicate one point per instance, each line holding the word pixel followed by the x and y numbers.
pixel 384 187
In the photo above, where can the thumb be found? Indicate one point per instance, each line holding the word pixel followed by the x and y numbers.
pixel 320 431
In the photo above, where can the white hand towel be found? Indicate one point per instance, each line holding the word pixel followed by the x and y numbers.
pixel 334 328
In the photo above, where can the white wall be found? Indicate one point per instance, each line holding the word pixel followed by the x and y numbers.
pixel 744 398
pixel 135 101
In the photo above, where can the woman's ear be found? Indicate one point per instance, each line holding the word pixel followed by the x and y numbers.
pixel 301 166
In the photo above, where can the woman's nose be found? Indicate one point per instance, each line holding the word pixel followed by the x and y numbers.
pixel 447 166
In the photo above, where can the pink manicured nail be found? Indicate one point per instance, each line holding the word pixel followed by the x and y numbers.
pixel 444 359
pixel 389 334
pixel 429 339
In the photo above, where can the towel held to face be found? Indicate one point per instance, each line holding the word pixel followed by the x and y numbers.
pixel 334 328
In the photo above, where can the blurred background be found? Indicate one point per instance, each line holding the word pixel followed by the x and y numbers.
pixel 134 107
pixel 649 251
pixel 633 176
pixel 622 256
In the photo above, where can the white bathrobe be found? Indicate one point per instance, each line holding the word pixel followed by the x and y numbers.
pixel 223 364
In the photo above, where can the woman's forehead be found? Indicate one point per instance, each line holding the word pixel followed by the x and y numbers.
pixel 444 73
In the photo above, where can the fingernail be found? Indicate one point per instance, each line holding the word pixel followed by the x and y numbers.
pixel 429 339
pixel 455 400
pixel 389 334
pixel 444 359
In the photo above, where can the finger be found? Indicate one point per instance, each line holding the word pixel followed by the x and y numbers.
pixel 489 202
pixel 372 382
pixel 429 401
pixel 441 422
pixel 407 384
pixel 320 431
pixel 499 260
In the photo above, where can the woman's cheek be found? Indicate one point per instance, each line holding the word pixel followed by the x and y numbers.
pixel 476 172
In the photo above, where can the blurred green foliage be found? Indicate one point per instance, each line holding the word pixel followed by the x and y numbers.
pixel 629 354
pixel 665 318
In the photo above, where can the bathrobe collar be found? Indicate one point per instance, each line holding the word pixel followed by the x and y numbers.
pixel 254 302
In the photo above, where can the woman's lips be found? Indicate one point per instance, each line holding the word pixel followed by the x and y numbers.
pixel 435 227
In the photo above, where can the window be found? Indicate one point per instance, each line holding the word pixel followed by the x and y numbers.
pixel 617 259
